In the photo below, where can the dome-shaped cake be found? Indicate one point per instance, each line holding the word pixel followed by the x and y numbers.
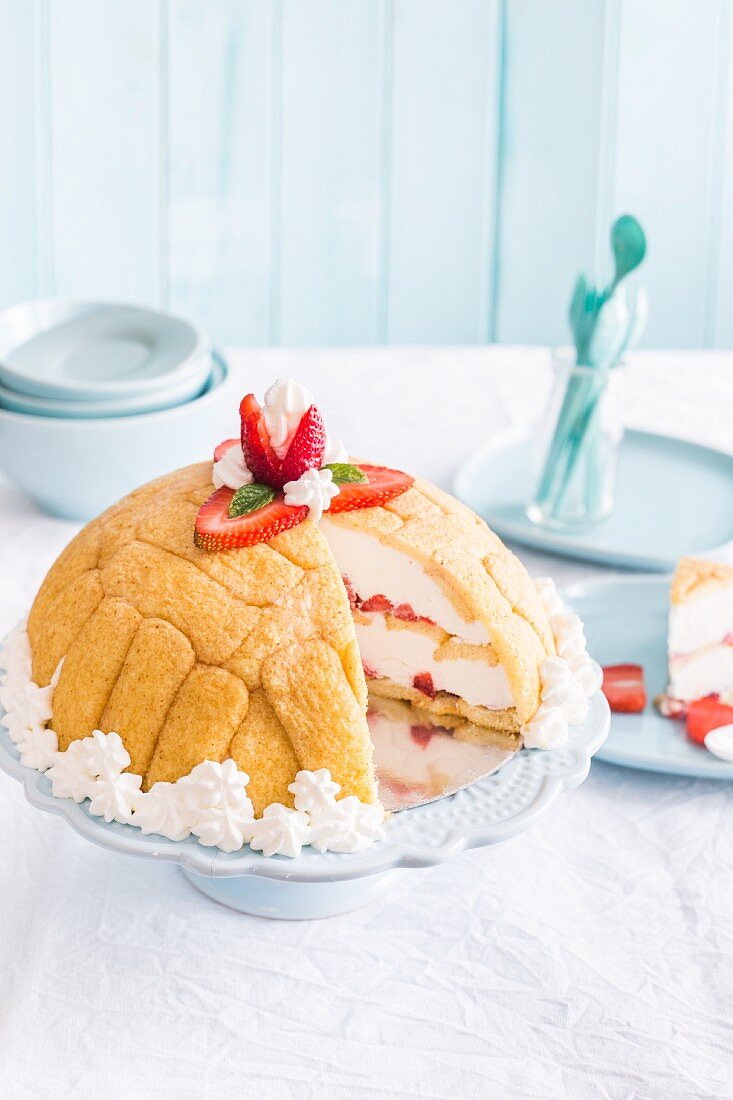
pixel 191 655
pixel 245 624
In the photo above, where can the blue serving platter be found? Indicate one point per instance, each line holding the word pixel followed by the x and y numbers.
pixel 626 623
pixel 673 498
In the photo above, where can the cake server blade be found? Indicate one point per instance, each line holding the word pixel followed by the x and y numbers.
pixel 418 762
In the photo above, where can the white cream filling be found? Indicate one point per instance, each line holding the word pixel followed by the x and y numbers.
pixel 399 655
pixel 700 622
pixel 377 570
pixel 703 673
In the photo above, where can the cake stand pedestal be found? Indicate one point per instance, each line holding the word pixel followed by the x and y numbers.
pixel 288 900
pixel 320 885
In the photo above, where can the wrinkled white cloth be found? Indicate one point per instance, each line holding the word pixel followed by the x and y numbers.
pixel 591 956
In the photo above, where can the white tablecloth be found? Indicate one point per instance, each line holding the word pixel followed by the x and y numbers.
pixel 591 956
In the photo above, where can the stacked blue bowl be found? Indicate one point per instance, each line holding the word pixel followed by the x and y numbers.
pixel 97 397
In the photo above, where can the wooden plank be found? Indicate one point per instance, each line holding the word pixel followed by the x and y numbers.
pixel 330 163
pixel 22 137
pixel 222 138
pixel 549 196
pixel 665 164
pixel 106 141
pixel 445 98
pixel 721 289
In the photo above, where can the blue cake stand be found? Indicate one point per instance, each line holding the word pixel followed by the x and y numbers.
pixel 322 885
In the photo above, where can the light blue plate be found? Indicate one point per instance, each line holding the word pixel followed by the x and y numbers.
pixel 176 393
pixel 626 623
pixel 89 351
pixel 672 499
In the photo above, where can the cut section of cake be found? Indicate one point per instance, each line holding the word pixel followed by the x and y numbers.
pixel 446 617
pixel 700 638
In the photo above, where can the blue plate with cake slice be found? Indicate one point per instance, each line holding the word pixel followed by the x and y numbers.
pixel 626 623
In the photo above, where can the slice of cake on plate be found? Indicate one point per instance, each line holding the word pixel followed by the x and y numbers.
pixel 198 661
pixel 700 638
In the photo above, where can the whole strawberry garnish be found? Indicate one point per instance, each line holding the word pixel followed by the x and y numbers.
pixel 307 448
pixel 380 486
pixel 259 456
pixel 216 529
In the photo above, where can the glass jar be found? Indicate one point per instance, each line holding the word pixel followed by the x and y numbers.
pixel 577 446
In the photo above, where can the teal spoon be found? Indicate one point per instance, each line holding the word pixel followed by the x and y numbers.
pixel 629 248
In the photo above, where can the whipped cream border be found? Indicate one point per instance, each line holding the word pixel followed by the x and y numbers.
pixel 210 803
pixel 567 680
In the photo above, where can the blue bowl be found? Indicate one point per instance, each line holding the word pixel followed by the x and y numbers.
pixel 76 468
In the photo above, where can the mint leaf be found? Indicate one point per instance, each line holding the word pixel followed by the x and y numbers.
pixel 250 498
pixel 345 474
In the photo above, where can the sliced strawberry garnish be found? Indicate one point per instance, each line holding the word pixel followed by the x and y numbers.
pixel 705 715
pixel 423 681
pixel 259 456
pixel 216 530
pixel 376 603
pixel 623 686
pixel 223 447
pixel 307 447
pixel 381 486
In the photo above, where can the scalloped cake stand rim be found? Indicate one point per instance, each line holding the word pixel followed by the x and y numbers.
pixel 390 854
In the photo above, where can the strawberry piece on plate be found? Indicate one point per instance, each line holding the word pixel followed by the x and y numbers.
pixel 381 486
pixel 307 448
pixel 623 686
pixel 259 456
pixel 216 530
pixel 707 714
pixel 223 447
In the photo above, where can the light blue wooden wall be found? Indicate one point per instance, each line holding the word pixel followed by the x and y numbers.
pixel 358 171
